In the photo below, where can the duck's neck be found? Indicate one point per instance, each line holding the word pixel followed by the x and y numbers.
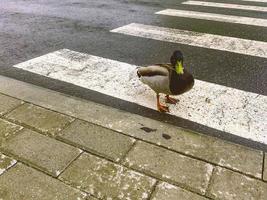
pixel 179 68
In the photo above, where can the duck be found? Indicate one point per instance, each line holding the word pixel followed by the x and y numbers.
pixel 168 79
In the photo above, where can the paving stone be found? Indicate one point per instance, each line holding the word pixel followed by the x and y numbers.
pixel 45 153
pixel 229 185
pixel 91 198
pixel 170 166
pixel 265 168
pixel 201 146
pixel 8 103
pixel 107 180
pixel 42 119
pixel 25 183
pixel 207 148
pixel 7 130
pixel 166 191
pixel 97 139
pixel 5 163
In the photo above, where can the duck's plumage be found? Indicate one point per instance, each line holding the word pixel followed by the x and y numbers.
pixel 162 78
pixel 156 77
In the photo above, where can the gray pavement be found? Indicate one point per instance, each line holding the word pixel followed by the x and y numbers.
pixel 69 148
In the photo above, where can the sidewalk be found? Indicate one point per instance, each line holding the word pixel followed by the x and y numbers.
pixel 54 146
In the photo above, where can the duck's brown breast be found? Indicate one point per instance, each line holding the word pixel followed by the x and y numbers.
pixel 180 84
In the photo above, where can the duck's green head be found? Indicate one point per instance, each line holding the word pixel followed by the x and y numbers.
pixel 177 61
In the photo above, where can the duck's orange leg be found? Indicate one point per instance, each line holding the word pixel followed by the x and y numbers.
pixel 171 100
pixel 161 108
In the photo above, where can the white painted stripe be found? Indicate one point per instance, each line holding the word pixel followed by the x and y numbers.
pixel 223 43
pixel 214 17
pixel 226 5
pixel 264 1
pixel 223 108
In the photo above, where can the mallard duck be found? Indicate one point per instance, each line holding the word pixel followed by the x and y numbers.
pixel 169 79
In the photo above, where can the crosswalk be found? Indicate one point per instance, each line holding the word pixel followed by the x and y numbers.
pixel 226 5
pixel 223 108
pixel 264 1
pixel 231 44
pixel 213 105
pixel 214 17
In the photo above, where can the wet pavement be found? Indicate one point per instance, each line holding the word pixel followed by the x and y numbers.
pixel 32 28
pixel 54 146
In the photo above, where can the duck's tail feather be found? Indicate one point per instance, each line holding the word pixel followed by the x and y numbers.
pixel 138 74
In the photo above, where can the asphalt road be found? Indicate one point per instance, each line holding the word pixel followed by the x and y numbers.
pixel 31 28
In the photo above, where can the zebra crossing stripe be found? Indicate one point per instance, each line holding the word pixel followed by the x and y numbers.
pixel 214 17
pixel 264 1
pixel 226 5
pixel 223 43
pixel 216 106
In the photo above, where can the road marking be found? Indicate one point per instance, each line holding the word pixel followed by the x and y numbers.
pixel 226 5
pixel 223 43
pixel 216 106
pixel 214 17
pixel 264 1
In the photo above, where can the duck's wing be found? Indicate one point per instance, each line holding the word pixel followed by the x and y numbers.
pixel 157 77
pixel 154 70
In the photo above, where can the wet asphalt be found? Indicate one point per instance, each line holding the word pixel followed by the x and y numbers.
pixel 31 28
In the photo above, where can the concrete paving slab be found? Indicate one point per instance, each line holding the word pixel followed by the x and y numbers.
pixel 91 198
pixel 96 139
pixel 207 148
pixel 42 119
pixel 211 149
pixel 24 183
pixel 8 103
pixel 166 191
pixel 107 180
pixel 5 163
pixel 7 130
pixel 173 167
pixel 45 153
pixel 229 185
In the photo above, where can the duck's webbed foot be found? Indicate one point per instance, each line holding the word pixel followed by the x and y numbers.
pixel 171 100
pixel 162 108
